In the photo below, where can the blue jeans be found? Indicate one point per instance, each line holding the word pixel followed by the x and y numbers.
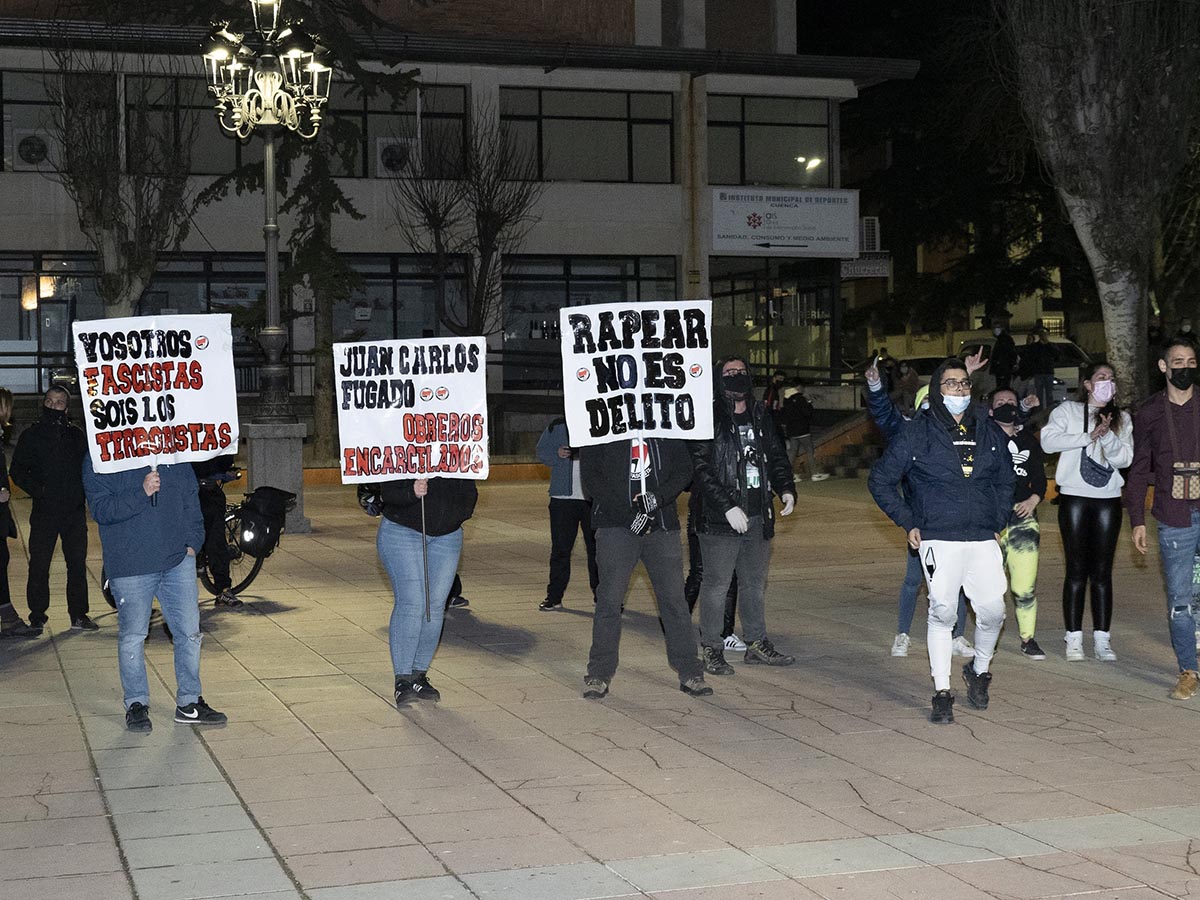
pixel 412 639
pixel 1178 547
pixel 180 602
pixel 914 577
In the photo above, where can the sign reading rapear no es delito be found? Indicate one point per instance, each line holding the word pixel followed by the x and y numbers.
pixel 637 369
pixel 754 221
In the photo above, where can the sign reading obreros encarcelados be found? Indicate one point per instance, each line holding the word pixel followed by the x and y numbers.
pixel 637 369
pixel 412 409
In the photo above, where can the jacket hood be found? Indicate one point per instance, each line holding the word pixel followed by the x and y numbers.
pixel 937 405
pixel 790 392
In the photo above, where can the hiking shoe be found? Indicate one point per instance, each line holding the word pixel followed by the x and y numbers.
pixel 422 688
pixel 458 601
pixel 714 661
pixel 227 598
pixel 695 687
pixel 1074 642
pixel 1031 649
pixel 594 688
pixel 137 718
pixel 962 647
pixel 199 713
pixel 943 708
pixel 405 690
pixel 764 652
pixel 19 629
pixel 734 644
pixel 83 623
pixel 900 645
pixel 549 605
pixel 977 685
pixel 1186 686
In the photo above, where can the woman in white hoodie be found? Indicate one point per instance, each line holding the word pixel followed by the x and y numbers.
pixel 1094 440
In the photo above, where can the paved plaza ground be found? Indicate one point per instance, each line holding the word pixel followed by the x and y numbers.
pixel 823 780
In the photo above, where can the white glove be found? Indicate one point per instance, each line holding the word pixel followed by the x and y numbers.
pixel 737 520
pixel 789 505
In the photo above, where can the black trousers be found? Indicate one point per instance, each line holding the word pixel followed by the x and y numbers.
pixel 695 575
pixel 45 529
pixel 567 518
pixel 1090 527
pixel 5 596
pixel 216 547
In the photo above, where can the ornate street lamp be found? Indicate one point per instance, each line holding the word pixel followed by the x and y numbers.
pixel 279 77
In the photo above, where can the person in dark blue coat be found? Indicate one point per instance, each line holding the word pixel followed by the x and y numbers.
pixel 954 462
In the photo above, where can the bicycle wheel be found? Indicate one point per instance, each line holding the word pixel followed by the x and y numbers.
pixel 242 566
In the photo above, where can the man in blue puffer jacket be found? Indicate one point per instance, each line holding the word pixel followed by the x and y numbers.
pixel 150 529
pixel 957 501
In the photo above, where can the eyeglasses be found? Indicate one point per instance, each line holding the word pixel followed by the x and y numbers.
pixel 963 384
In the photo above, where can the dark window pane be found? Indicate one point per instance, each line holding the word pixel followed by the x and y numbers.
pixel 585 150
pixel 724 155
pixel 594 267
pixel 650 106
pixel 518 102
pixel 442 146
pixel 532 265
pixel 723 108
pixel 524 137
pixel 584 104
pixel 195 92
pixel 444 100
pixel 783 155
pixel 652 153
pixel 150 90
pixel 786 110
pixel 345 95
pixel 657 267
pixel 25 86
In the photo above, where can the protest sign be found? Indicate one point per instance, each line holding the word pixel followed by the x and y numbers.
pixel 156 390
pixel 633 369
pixel 412 409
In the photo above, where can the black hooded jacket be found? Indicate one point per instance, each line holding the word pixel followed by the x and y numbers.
pixel 720 476
pixel 48 463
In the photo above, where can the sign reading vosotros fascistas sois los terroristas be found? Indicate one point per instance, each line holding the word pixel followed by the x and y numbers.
pixel 637 369
pixel 412 409
pixel 156 389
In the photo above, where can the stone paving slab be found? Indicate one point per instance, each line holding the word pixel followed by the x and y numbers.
pixel 820 780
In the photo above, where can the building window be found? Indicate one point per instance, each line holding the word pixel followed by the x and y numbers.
pixel 183 107
pixel 609 136
pixel 428 125
pixel 29 136
pixel 398 298
pixel 768 140
pixel 537 287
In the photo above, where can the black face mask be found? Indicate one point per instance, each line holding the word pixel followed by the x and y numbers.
pixel 1007 414
pixel 738 384
pixel 1182 378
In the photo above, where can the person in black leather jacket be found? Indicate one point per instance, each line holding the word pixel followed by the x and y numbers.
pixel 736 474
pixel 11 624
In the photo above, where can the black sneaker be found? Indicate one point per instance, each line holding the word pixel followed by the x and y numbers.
pixel 943 708
pixel 764 652
pixel 83 623
pixel 1031 649
pixel 696 687
pixel 406 690
pixel 19 629
pixel 422 688
pixel 549 605
pixel 227 598
pixel 457 602
pixel 137 718
pixel 714 661
pixel 594 688
pixel 199 713
pixel 977 686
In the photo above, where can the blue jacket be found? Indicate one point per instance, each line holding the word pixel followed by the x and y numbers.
pixel 552 438
pixel 138 537
pixel 938 499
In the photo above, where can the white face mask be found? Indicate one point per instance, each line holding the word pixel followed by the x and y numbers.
pixel 996 331
pixel 1103 391
pixel 956 404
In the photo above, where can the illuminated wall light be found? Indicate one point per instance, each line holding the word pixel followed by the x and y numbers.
pixel 813 163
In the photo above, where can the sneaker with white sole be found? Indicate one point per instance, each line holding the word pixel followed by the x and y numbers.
pixel 1074 642
pixel 900 645
pixel 735 644
pixel 820 476
pixel 199 713
pixel 962 647
pixel 1032 650
pixel 1101 647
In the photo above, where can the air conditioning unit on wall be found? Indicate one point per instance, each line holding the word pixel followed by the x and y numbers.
pixel 397 157
pixel 869 235
pixel 31 150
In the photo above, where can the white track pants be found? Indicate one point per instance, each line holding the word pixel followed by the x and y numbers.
pixel 977 568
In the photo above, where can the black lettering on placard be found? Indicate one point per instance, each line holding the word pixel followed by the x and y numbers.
pixel 581 328
pixel 608 334
pixel 663 370
pixel 367 362
pixel 384 393
pixel 650 329
pixel 615 372
pixel 697 334
pixel 146 343
pixel 646 411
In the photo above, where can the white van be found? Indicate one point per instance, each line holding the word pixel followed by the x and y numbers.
pixel 1071 358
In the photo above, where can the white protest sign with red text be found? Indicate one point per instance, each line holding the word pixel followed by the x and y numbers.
pixel 157 390
pixel 637 370
pixel 412 409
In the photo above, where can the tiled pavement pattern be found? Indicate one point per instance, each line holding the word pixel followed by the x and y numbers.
pixel 822 780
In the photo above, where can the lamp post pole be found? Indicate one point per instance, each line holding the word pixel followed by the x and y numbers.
pixel 274 397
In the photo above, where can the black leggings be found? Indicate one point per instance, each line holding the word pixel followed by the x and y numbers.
pixel 1090 527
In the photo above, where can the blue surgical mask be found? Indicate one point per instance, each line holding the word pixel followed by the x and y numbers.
pixel 957 404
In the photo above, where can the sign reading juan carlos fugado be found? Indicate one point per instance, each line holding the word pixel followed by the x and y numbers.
pixel 637 369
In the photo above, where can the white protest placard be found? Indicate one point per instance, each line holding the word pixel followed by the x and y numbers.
pixel 756 221
pixel 157 390
pixel 412 409
pixel 637 369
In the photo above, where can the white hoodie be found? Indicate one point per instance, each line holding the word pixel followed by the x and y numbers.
pixel 1066 434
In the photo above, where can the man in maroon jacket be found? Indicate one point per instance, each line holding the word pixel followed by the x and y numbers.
pixel 1166 444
